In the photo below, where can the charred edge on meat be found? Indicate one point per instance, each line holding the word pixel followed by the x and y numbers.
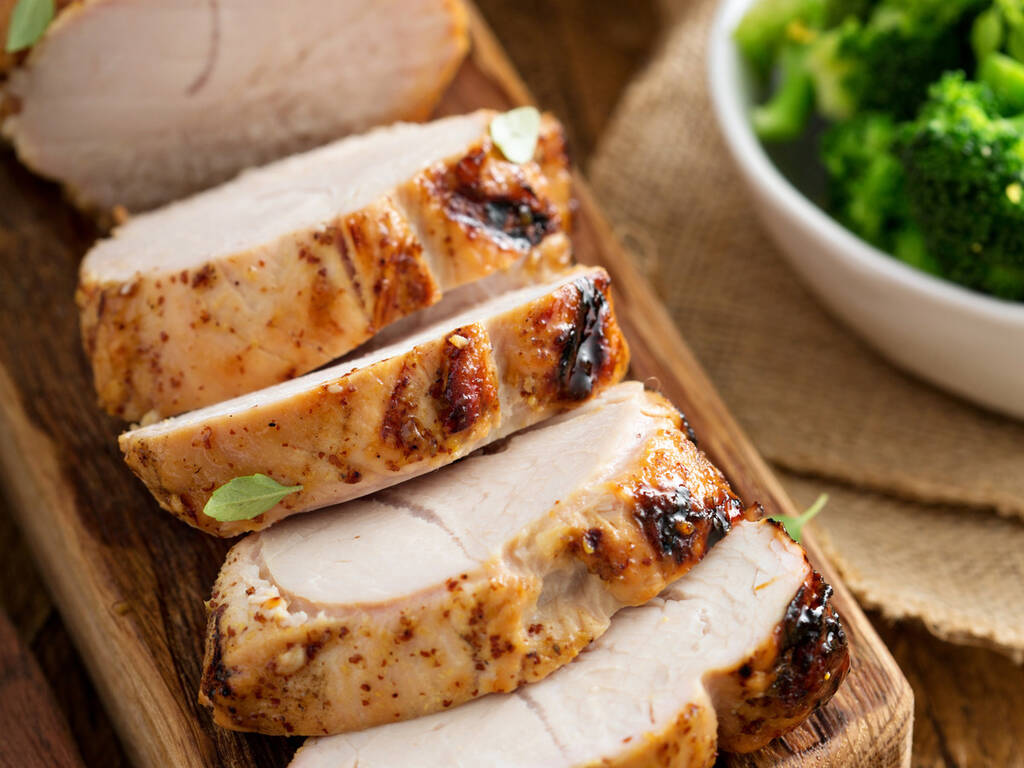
pixel 464 389
pixel 813 657
pixel 676 528
pixel 517 216
pixel 216 674
pixel 584 344
pixel 688 429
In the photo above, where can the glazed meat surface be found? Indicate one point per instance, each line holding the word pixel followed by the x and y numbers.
pixel 500 570
pixel 394 413
pixel 293 265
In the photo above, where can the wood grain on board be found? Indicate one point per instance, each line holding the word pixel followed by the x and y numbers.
pixel 130 581
pixel 26 700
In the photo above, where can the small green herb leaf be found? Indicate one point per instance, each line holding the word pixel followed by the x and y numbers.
pixel 246 497
pixel 28 22
pixel 794 524
pixel 516 132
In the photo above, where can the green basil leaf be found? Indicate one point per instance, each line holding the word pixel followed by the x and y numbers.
pixel 516 133
pixel 794 524
pixel 28 22
pixel 246 497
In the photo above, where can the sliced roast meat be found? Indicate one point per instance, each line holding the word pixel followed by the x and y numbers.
pixel 733 654
pixel 394 413
pixel 293 265
pixel 139 102
pixel 499 570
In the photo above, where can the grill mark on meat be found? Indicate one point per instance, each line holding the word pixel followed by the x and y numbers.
pixel 676 528
pixel 420 232
pixel 212 52
pixel 463 388
pixel 401 285
pixel 400 428
pixel 322 296
pixel 350 268
pixel 517 222
pixel 813 646
pixel 388 499
pixel 518 218
pixel 584 345
pixel 538 710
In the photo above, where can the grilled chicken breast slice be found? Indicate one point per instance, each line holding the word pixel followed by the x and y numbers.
pixel 293 265
pixel 139 102
pixel 500 570
pixel 736 652
pixel 394 413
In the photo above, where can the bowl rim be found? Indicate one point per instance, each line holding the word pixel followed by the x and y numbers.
pixel 734 122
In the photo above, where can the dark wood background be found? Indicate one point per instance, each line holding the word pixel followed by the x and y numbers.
pixel 576 56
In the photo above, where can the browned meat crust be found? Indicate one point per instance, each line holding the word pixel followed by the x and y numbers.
pixel 390 420
pixel 483 632
pixel 165 344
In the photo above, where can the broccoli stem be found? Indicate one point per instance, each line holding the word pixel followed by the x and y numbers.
pixel 762 31
pixel 784 115
pixel 1005 76
pixel 987 33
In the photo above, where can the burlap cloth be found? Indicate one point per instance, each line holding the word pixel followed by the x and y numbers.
pixel 917 477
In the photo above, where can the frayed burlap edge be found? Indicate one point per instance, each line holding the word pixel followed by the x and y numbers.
pixel 958 572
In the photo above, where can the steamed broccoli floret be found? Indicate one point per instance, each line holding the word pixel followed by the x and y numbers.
pixel 768 25
pixel 865 177
pixel 933 175
pixel 887 62
pixel 866 189
pixel 774 39
pixel 858 55
pixel 964 177
pixel 838 11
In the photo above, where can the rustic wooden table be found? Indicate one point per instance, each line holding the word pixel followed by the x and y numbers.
pixel 576 56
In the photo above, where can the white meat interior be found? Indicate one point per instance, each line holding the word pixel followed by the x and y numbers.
pixel 263 205
pixel 141 101
pixel 445 523
pixel 636 679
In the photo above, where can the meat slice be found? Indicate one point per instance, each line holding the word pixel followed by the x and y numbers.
pixel 293 265
pixel 733 654
pixel 139 102
pixel 491 573
pixel 394 413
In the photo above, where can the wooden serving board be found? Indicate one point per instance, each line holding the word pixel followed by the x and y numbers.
pixel 130 580
pixel 25 697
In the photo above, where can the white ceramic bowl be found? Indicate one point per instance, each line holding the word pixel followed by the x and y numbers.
pixel 965 342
